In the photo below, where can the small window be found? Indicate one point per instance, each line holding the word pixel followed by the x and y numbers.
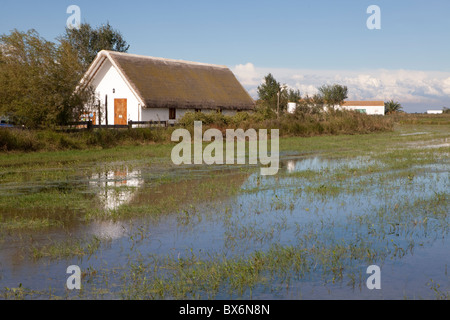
pixel 172 114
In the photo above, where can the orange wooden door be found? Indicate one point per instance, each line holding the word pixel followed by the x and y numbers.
pixel 120 112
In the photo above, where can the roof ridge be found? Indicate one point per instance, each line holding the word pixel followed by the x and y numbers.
pixel 210 86
pixel 165 59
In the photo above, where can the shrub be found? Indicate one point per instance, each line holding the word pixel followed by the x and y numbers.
pixel 304 125
pixel 22 140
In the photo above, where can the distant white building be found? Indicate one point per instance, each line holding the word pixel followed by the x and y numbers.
pixel 291 107
pixel 435 112
pixel 367 107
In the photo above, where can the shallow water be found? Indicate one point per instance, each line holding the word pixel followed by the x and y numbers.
pixel 388 212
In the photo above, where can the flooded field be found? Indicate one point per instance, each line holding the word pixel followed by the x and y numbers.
pixel 141 229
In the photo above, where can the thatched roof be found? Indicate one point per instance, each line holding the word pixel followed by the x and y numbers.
pixel 164 83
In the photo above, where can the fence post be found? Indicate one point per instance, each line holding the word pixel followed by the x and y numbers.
pixel 130 124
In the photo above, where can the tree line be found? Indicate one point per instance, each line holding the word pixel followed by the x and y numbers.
pixel 273 98
pixel 38 78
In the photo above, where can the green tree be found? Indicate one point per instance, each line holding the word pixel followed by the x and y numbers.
pixel 310 105
pixel 293 95
pixel 38 79
pixel 333 95
pixel 269 89
pixel 392 107
pixel 88 41
pixel 272 94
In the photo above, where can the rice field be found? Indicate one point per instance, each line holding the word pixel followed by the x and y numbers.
pixel 141 228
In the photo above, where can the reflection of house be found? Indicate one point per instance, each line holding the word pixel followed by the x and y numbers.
pixel 367 107
pixel 141 88
pixel 116 187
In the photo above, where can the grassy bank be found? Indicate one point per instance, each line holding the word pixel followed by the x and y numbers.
pixel 49 140
pixel 421 119
pixel 289 125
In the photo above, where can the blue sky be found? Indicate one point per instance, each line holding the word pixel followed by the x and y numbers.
pixel 303 43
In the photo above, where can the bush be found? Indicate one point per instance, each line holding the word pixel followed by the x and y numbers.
pixel 298 124
pixel 303 125
pixel 14 139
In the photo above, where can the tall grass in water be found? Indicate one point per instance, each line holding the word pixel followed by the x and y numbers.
pixel 304 125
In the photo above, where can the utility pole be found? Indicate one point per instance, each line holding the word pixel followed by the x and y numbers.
pixel 278 104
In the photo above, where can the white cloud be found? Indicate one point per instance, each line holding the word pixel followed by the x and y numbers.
pixel 247 74
pixel 446 86
pixel 428 88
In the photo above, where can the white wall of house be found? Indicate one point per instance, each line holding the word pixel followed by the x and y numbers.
pixel 291 107
pixel 372 110
pixel 155 114
pixel 435 112
pixel 182 112
pixel 162 114
pixel 109 82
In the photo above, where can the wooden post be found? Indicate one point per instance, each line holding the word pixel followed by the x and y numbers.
pixel 99 115
pixel 106 110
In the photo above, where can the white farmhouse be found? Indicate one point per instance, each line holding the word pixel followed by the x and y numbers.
pixel 131 87
pixel 368 107
pixel 435 111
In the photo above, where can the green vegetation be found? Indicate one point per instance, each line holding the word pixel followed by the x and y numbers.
pixel 375 199
pixel 66 249
pixel 39 78
pixel 299 124
pixel 392 107
pixel 49 140
pixel 87 41
pixel 421 119
pixel 333 95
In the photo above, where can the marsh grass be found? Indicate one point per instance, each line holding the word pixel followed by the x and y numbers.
pixel 238 277
pixel 66 249
pixel 314 226
pixel 421 119
pixel 20 223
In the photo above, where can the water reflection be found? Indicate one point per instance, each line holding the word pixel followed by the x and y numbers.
pixel 107 229
pixel 239 212
pixel 433 144
pixel 116 187
pixel 319 163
